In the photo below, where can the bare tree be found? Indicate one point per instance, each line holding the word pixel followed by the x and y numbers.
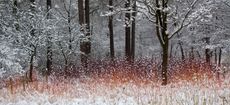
pixel 166 26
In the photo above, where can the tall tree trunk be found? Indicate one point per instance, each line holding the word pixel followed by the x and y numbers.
pixel 32 33
pixel 110 26
pixel 162 35
pixel 88 32
pixel 84 19
pixel 49 55
pixel 207 51
pixel 219 63
pixel 81 15
pixel 133 30
pixel 127 31
pixel 165 63
pixel 69 30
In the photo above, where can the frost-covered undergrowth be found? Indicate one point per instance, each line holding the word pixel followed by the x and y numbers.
pixel 96 92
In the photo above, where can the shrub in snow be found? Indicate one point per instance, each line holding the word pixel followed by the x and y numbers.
pixel 9 61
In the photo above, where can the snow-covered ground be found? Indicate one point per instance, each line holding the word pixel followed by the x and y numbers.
pixel 100 93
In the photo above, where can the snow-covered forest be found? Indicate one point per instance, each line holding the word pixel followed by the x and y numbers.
pixel 170 51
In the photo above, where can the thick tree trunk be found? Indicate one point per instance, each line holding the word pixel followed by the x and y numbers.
pixel 162 35
pixel 127 31
pixel 84 20
pixel 133 31
pixel 81 14
pixel 88 32
pixel 110 26
pixel 165 63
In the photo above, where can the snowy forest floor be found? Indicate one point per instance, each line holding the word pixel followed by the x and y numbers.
pixel 102 92
pixel 190 83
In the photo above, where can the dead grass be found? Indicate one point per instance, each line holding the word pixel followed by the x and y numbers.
pixel 143 72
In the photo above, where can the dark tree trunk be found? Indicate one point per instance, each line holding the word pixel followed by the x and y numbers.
pixel 81 14
pixel 127 31
pixel 215 54
pixel 161 29
pixel 49 55
pixel 182 51
pixel 84 20
pixel 133 31
pixel 32 64
pixel 191 54
pixel 110 25
pixel 32 33
pixel 165 63
pixel 220 56
pixel 207 51
pixel 88 32
pixel 69 29
pixel 198 54
pixel 171 51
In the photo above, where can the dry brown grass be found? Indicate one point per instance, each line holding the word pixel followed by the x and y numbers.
pixel 140 73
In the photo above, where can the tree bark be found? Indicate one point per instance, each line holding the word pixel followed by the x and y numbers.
pixel 81 14
pixel 162 35
pixel 207 51
pixel 88 32
pixel 32 64
pixel 84 20
pixel 182 51
pixel 127 31
pixel 32 33
pixel 165 63
pixel 110 26
pixel 133 30
pixel 49 55
pixel 192 56
pixel 215 54
pixel 220 56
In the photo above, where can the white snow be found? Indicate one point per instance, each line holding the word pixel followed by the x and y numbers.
pixel 83 93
